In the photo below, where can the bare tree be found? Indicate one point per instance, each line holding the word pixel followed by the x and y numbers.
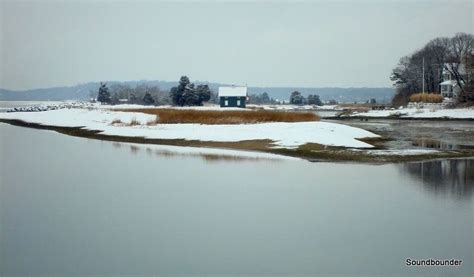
pixel 460 45
pixel 467 95
pixel 438 55
pixel 438 50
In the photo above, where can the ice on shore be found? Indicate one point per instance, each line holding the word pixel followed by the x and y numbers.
pixel 464 113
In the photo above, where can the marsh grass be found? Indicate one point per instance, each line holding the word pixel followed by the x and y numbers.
pixel 426 98
pixel 134 122
pixel 116 121
pixel 170 116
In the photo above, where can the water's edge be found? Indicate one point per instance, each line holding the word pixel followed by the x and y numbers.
pixel 310 152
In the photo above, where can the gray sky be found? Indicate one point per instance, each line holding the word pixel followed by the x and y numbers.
pixel 309 44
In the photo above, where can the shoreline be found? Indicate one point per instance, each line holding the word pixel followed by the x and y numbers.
pixel 366 118
pixel 310 151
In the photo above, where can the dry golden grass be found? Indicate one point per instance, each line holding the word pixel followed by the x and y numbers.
pixel 169 116
pixel 426 98
pixel 356 107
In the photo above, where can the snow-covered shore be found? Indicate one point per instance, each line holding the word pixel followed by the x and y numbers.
pixel 425 113
pixel 287 135
pixel 42 106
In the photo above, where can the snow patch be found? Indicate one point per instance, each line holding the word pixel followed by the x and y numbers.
pixel 426 112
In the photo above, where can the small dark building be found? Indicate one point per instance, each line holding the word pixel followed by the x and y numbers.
pixel 232 96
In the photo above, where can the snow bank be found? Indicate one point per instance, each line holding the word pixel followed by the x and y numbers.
pixel 288 135
pixel 90 119
pixel 466 113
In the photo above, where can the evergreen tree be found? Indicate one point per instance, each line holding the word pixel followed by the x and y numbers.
pixel 314 100
pixel 296 98
pixel 204 93
pixel 104 95
pixel 186 94
pixel 148 99
pixel 174 96
pixel 176 93
pixel 183 83
pixel 265 98
pixel 190 97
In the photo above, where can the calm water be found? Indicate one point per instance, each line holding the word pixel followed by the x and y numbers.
pixel 72 206
pixel 430 134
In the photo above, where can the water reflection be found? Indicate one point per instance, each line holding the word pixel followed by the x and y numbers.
pixel 134 149
pixel 437 144
pixel 180 216
pixel 116 144
pixel 211 158
pixel 444 176
pixel 208 155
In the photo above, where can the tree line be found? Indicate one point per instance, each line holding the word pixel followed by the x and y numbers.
pixel 185 94
pixel 439 55
pixel 263 98
pixel 141 94
pixel 297 98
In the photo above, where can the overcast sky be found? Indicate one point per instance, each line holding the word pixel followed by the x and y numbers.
pixel 306 44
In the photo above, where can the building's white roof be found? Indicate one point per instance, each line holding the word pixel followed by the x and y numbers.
pixel 232 91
